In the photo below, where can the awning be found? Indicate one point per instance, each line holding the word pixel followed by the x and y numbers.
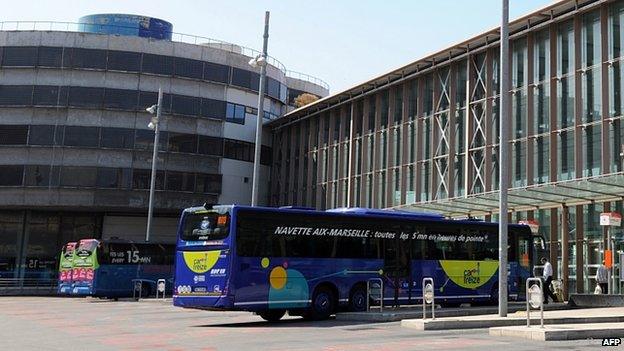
pixel 580 191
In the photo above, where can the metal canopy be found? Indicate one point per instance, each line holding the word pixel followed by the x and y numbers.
pixel 602 188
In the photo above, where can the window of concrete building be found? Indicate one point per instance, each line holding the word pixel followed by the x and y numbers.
pixel 144 140
pixel 208 183
pixel 13 134
pixel 11 228
pixel 185 105
pixel 50 56
pixel 591 148
pixel 237 150
pixel 114 178
pixel 117 138
pixel 45 135
pixel 213 108
pixel 48 95
pixel 18 95
pixel 122 99
pixel 124 61
pixel 42 175
pixel 565 155
pixel 235 113
pixel 78 176
pixel 541 156
pixel 86 58
pixel 81 136
pixel 20 56
pixel 245 79
pixel 188 68
pixel 141 179
pixel 42 246
pixel 210 145
pixel 179 142
pixel 180 181
pixel 157 64
pixel 216 72
pixel 273 88
pixel 86 97
pixel 11 175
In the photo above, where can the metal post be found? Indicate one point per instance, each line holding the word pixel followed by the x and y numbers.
pixel 611 281
pixel 256 171
pixel 150 207
pixel 504 156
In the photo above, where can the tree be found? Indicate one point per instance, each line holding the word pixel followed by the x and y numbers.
pixel 305 99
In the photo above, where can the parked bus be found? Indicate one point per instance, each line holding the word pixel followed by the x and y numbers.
pixel 66 265
pixel 108 268
pixel 313 263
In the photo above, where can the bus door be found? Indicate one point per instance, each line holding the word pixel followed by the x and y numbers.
pixel 396 269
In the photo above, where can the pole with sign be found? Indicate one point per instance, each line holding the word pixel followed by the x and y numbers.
pixel 610 219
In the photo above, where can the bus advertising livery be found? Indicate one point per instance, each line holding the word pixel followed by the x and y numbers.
pixel 66 265
pixel 110 268
pixel 314 263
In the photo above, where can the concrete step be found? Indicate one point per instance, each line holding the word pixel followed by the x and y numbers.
pixel 447 323
pixel 562 332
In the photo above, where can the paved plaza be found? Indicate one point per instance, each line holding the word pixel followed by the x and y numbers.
pixel 49 323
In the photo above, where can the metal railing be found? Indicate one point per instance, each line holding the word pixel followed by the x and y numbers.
pixel 177 37
pixel 27 282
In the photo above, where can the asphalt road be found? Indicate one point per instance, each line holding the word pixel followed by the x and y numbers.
pixel 47 323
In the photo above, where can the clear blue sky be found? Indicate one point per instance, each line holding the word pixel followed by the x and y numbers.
pixel 344 42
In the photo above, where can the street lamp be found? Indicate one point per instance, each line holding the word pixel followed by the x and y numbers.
pixel 260 60
pixel 153 124
pixel 504 156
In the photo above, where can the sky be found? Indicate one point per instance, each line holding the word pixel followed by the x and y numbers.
pixel 343 42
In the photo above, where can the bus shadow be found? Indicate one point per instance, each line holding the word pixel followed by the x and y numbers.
pixel 285 323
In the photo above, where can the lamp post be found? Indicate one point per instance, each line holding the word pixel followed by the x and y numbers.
pixel 504 156
pixel 154 124
pixel 259 60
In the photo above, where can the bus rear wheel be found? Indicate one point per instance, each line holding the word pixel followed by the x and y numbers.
pixel 323 304
pixel 357 299
pixel 272 315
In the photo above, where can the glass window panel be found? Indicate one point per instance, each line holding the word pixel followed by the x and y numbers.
pixel 424 181
pixel 541 160
pixel 413 99
pixel 22 56
pixel 216 72
pixel 272 88
pixel 81 136
pixel 518 62
pixel 428 96
pixel 459 175
pixel 182 142
pixel 50 56
pixel 180 181
pixel 121 99
pixel 47 95
pixel 188 68
pixel 616 20
pixel 185 105
pixel 144 140
pixel 208 183
pixel 42 246
pixel 592 95
pixel 565 102
pixel 157 64
pixel 519 164
pixel 11 227
pixel 78 176
pixel 213 108
pixel 398 104
pixel 616 85
pixel 565 155
pixel 124 61
pixel 244 78
pixel 591 150
pixel 210 145
pixel 86 97
pixel 541 108
pixel 44 135
pixel 118 138
pixel 141 179
pixel 565 48
pixel 88 58
pixel 590 39
pixel 20 95
pixel 113 178
pixel 11 175
pixel 541 56
pixel 13 134
pixel 42 175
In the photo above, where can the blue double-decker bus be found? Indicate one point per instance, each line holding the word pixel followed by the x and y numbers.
pixel 112 268
pixel 314 263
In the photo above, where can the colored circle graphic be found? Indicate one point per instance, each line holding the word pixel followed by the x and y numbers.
pixel 264 262
pixel 278 278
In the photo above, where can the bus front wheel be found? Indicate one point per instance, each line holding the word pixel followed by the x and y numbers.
pixel 272 315
pixel 323 304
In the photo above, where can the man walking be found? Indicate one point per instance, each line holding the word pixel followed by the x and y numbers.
pixel 602 278
pixel 547 278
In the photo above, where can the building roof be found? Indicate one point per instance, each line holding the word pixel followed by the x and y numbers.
pixel 555 11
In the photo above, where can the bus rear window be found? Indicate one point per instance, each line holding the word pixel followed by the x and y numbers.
pixel 206 226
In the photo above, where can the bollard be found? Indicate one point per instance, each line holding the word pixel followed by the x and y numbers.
pixel 160 287
pixel 535 299
pixel 428 296
pixel 138 286
pixel 368 293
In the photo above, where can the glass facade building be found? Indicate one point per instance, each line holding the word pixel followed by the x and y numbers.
pixel 426 136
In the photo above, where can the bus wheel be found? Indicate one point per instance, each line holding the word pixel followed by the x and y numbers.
pixel 272 315
pixel 494 294
pixel 357 300
pixel 323 304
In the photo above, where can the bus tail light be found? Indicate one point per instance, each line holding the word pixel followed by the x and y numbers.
pixel 221 220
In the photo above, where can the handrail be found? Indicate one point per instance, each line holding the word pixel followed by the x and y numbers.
pixel 177 37
pixel 27 282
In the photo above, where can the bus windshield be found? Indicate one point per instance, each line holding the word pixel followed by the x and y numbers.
pixel 205 226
